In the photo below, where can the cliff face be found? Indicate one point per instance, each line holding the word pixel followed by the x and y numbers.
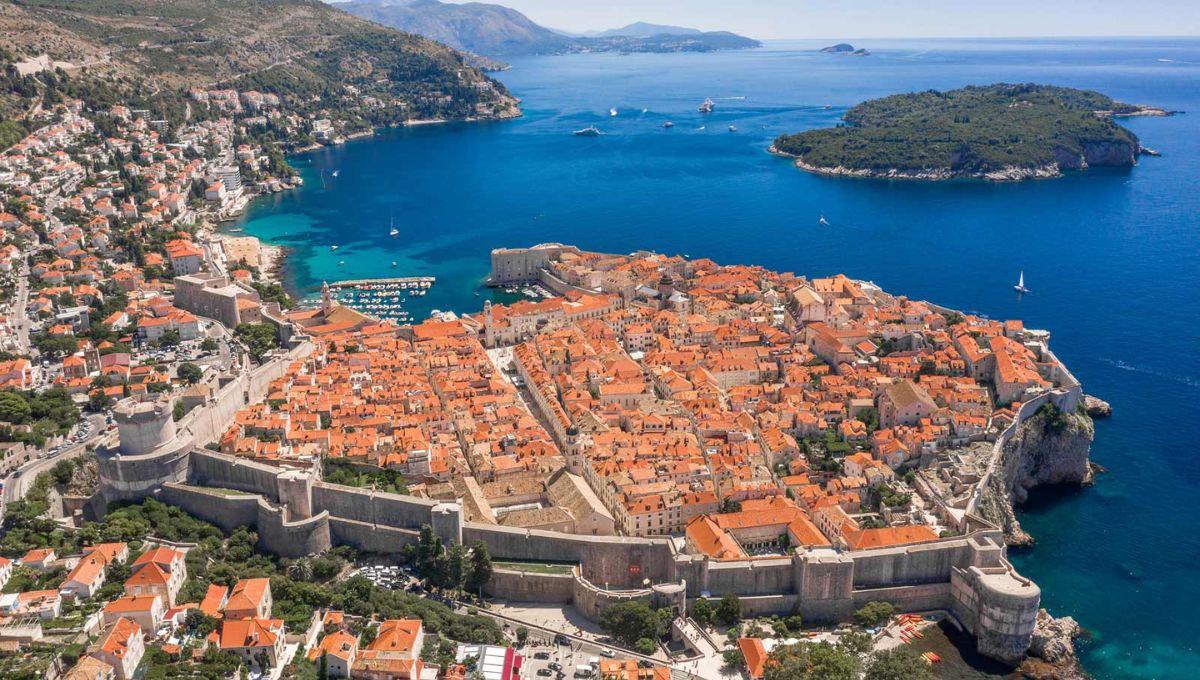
pixel 1052 650
pixel 1097 153
pixel 1052 447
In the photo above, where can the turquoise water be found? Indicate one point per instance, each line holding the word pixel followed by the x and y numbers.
pixel 1113 256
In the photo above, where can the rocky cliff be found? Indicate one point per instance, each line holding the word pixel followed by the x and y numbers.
pixel 1052 650
pixel 1051 447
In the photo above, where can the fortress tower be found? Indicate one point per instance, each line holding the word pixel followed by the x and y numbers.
pixel 144 425
pixel 149 453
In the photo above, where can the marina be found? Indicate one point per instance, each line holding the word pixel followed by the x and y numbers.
pixel 382 298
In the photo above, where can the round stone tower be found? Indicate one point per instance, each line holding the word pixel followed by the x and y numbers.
pixel 143 426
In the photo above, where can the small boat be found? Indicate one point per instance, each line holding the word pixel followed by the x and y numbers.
pixel 822 221
pixel 707 106
pixel 701 127
pixel 335 173
pixel 645 110
pixel 668 124
pixel 613 112
pixel 827 107
pixel 333 247
pixel 589 131
pixel 393 231
pixel 393 264
pixel 733 128
pixel 1020 287
pixel 341 263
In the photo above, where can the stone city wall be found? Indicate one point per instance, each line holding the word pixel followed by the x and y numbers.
pixel 525 586
pixel 372 507
pixel 748 577
pixel 225 510
pixel 131 478
pixel 1065 399
pixel 210 468
pixel 922 598
pixel 967 574
pixel 769 605
pixel 276 534
pixel 618 561
pixel 998 607
pixel 371 538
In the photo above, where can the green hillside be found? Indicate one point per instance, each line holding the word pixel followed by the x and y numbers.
pixel 299 49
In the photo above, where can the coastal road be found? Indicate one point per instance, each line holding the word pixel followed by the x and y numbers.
pixel 17 484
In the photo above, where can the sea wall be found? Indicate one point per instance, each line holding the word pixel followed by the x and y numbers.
pixel 998 607
pixel 1035 449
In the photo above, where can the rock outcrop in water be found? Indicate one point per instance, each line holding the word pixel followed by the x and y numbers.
pixel 1051 447
pixel 1052 650
pixel 1096 407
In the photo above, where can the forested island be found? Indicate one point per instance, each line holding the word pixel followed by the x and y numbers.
pixel 996 132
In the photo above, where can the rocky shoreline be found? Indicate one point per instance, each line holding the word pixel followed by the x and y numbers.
pixel 1051 447
pixel 1052 650
pixel 1045 450
pixel 1007 174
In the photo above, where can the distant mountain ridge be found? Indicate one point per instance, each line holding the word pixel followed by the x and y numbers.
pixel 641 29
pixel 497 31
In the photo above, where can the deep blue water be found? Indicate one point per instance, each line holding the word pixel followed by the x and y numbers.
pixel 1112 256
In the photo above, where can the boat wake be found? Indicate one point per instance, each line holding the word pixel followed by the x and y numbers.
pixel 1188 380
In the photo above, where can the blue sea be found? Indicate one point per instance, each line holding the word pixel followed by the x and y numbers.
pixel 1112 256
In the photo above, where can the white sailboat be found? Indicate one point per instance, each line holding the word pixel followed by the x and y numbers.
pixel 1020 287
pixel 393 231
pixel 613 112
pixel 335 173
pixel 822 221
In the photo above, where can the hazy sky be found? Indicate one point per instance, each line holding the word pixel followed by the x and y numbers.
pixel 878 18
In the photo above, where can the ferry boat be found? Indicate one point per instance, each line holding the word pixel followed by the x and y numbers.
pixel 589 131
pixel 668 124
pixel 707 106
pixel 1020 287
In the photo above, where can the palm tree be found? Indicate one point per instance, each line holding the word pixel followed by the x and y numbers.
pixel 300 570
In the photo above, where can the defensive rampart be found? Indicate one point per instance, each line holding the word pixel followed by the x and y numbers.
pixel 230 510
pixel 295 515
pixel 155 450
